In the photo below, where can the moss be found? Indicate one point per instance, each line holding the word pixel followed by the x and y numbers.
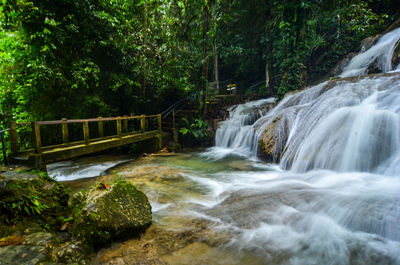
pixel 101 215
pixel 32 196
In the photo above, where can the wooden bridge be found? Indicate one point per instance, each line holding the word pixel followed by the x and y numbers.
pixel 123 131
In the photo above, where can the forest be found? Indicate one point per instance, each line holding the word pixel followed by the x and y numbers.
pixel 90 58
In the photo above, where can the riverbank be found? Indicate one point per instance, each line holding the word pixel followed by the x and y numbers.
pixel 41 224
pixel 34 221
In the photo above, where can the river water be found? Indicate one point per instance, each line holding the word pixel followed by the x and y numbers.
pixel 332 195
pixel 237 210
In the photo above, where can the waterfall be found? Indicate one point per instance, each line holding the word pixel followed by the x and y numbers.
pixel 237 132
pixel 378 56
pixel 352 127
pixel 345 125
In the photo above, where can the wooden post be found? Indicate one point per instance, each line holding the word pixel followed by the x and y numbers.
pixel 142 123
pixel 101 128
pixel 86 135
pixel 14 137
pixel 119 127
pixel 160 135
pixel 64 128
pixel 159 122
pixel 37 142
pixel 125 123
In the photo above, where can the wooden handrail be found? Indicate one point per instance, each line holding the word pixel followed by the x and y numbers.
pixel 54 122
pixel 121 126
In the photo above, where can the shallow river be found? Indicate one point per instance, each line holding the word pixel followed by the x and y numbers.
pixel 241 211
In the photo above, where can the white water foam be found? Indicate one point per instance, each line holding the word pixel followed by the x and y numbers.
pixel 72 170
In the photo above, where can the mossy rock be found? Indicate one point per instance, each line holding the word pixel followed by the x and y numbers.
pixel 104 213
pixel 26 196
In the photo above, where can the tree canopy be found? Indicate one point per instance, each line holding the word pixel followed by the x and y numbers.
pixel 89 58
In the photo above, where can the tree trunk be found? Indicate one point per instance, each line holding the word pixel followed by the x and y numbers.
pixel 205 61
pixel 145 45
pixel 216 78
pixel 267 77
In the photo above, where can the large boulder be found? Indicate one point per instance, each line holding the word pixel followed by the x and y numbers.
pixel 267 143
pixel 273 141
pixel 104 212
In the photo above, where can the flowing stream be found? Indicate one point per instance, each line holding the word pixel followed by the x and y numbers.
pixel 331 194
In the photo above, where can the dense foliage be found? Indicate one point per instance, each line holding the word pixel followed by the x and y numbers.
pixel 88 58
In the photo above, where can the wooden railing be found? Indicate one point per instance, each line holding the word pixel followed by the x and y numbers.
pixel 121 129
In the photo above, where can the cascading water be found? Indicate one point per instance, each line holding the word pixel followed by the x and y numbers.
pixel 352 127
pixel 237 132
pixel 354 137
pixel 380 55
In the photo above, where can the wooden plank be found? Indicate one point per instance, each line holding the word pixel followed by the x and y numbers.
pixel 60 146
pixel 64 128
pixel 37 141
pixel 14 137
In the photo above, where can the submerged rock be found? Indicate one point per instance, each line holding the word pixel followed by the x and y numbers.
pixel 101 214
pixel 33 249
pixel 23 255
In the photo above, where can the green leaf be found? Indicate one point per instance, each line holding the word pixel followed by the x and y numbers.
pixel 184 131
pixel 26 209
